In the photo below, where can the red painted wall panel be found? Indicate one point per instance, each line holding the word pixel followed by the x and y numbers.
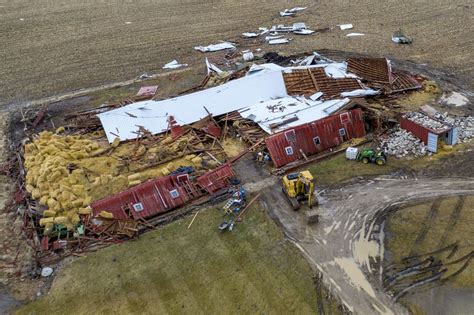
pixel 327 129
pixel 416 129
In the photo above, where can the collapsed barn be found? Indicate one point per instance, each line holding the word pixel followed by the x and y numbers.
pixel 114 169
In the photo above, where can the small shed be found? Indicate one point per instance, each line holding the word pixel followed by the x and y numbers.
pixel 307 139
pixel 429 130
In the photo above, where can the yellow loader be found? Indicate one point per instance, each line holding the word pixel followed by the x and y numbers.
pixel 299 187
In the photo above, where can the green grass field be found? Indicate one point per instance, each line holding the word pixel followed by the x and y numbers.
pixel 173 270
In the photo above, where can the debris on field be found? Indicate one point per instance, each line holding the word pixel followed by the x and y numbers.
pixel 279 41
pixel 145 76
pixel 355 34
pixel 292 12
pixel 402 143
pixel 215 47
pixel 400 38
pixel 250 35
pixel 212 68
pixel 360 92
pixel 46 272
pixel 345 26
pixel 465 125
pixel 174 65
pixel 303 32
pixel 248 56
pixel 147 90
pixel 455 99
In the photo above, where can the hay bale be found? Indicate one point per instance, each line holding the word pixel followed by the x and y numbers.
pixel 106 215
pixel 48 228
pixel 49 213
pixel 61 220
pixel 134 183
pixel 45 221
pixel 197 160
pixel 84 211
pixel 133 177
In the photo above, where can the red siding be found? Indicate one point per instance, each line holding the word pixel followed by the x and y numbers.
pixel 327 129
pixel 216 179
pixel 416 129
pixel 154 196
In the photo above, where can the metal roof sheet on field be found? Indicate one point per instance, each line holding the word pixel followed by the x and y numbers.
pixel 123 122
pixel 371 69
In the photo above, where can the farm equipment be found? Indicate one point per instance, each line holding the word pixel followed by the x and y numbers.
pixel 299 187
pixel 371 156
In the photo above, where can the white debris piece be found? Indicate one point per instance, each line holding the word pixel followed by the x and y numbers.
pixel 355 34
pixel 46 272
pixel 250 35
pixel 315 96
pixel 299 26
pixel 293 11
pixel 279 41
pixel 303 32
pixel 212 67
pixel 402 143
pixel 272 37
pixel 360 92
pixel 248 56
pixel 215 47
pixel 345 26
pixel 174 65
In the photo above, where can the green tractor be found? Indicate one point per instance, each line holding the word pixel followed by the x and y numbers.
pixel 370 155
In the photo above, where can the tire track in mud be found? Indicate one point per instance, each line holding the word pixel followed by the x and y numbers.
pixel 453 219
pixel 426 225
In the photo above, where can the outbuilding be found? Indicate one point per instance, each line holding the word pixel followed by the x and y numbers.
pixel 430 131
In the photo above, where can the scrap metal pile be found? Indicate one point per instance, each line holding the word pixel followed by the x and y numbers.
pixel 401 143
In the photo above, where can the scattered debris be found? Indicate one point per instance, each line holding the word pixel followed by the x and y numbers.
pixel 147 90
pixel 345 26
pixel 279 41
pixel 292 12
pixel 174 65
pixel 400 38
pixel 355 34
pixel 46 272
pixel 250 35
pixel 465 125
pixel 401 143
pixel 215 47
pixel 248 56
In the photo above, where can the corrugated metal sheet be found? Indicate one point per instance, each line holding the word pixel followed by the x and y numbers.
pixel 216 179
pixel 314 137
pixel 311 80
pixel 402 81
pixel 370 69
pixel 150 198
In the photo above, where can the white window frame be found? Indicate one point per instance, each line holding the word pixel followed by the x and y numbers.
pixel 138 207
pixel 346 118
pixel 182 178
pixel 292 134
pixel 174 193
pixel 318 140
pixel 289 151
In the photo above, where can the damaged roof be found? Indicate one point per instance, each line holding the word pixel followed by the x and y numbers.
pixel 370 69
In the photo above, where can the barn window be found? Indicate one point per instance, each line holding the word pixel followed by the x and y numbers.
pixel 317 141
pixel 289 150
pixel 138 207
pixel 345 118
pixel 182 178
pixel 342 132
pixel 174 193
pixel 290 136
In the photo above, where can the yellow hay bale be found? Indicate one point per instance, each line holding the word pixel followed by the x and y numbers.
pixel 45 221
pixel 115 143
pixel 61 220
pixel 170 166
pixel 52 203
pixel 49 213
pixel 36 193
pixel 197 160
pixel 189 157
pixel 75 219
pixel 48 228
pixel 140 151
pixel 60 129
pixel 77 189
pixel 87 201
pixel 165 171
pixel 106 215
pixel 77 202
pixel 133 177
pixel 84 211
pixel 134 183
pixel 43 200
pixel 29 188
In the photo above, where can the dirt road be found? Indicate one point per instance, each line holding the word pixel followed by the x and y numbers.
pixel 344 245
